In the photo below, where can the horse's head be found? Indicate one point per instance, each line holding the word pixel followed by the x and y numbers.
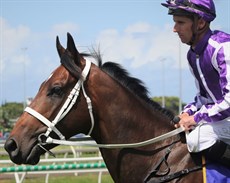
pixel 59 100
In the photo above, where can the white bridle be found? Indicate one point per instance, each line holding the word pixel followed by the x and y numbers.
pixel 70 101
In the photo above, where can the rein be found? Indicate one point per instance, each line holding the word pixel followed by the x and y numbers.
pixel 114 146
pixel 44 138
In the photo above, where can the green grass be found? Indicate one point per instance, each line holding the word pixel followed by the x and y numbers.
pixel 86 178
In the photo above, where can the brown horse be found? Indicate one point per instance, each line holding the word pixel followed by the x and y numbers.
pixel 121 113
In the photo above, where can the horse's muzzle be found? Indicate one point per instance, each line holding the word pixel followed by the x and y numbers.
pixel 12 148
pixel 29 156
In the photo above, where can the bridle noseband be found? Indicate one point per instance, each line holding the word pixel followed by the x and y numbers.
pixel 69 103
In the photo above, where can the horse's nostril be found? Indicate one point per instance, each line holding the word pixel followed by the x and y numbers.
pixel 10 145
pixel 12 148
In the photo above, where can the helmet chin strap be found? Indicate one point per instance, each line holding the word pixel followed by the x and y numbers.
pixel 194 30
pixel 191 42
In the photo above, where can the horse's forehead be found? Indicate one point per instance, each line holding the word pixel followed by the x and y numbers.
pixel 49 76
pixel 57 73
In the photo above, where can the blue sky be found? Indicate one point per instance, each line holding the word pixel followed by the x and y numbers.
pixel 135 33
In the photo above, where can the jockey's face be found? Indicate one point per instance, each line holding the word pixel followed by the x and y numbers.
pixel 183 27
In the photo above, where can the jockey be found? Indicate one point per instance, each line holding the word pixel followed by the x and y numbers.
pixel 207 118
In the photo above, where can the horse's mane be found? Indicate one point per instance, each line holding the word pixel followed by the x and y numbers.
pixel 135 85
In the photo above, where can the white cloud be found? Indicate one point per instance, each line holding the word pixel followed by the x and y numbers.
pixel 141 47
pixel 12 41
pixel 62 28
pixel 138 46
pixel 142 44
pixel 22 45
pixel 140 27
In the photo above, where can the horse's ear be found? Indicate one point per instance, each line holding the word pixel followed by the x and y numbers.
pixel 71 46
pixel 60 48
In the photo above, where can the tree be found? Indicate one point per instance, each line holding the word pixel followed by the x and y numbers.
pixel 9 112
pixel 171 103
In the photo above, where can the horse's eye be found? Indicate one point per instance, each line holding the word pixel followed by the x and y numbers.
pixel 55 91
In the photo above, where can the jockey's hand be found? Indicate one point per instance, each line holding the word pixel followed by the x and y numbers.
pixel 186 122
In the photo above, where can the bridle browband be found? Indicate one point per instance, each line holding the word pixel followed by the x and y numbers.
pixel 44 138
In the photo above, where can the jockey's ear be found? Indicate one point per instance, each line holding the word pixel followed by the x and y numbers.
pixel 202 24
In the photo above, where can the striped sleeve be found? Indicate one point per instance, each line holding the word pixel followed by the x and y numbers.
pixel 221 108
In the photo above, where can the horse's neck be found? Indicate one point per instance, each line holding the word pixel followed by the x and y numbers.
pixel 131 122
pixel 128 118
pixel 124 118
